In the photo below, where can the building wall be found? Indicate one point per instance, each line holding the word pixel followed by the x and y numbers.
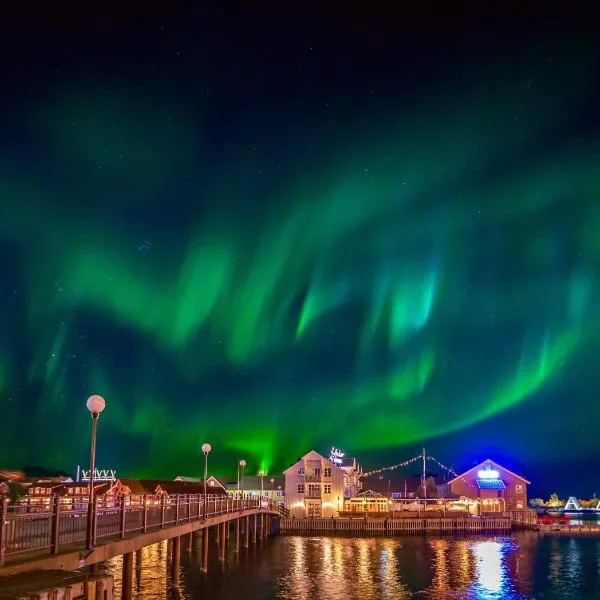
pixel 515 494
pixel 314 487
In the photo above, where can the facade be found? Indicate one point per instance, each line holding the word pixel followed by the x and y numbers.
pixel 250 485
pixel 314 487
pixel 490 487
pixel 352 476
pixel 367 502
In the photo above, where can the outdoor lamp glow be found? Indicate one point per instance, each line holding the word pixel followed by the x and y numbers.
pixel 95 404
pixel 206 448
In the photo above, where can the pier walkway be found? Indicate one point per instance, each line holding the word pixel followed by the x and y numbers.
pixel 55 538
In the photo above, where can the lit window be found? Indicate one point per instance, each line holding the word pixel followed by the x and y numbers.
pixel 327 488
pixel 327 472
pixel 301 488
pixel 519 488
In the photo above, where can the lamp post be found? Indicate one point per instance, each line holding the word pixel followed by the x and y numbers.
pixel 95 404
pixel 261 474
pixel 242 466
pixel 206 448
pixel 272 480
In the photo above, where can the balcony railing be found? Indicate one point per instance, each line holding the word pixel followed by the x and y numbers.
pixel 312 494
pixel 312 477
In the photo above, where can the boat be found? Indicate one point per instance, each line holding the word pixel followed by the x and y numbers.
pixel 547 519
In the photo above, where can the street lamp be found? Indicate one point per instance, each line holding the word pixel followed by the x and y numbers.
pixel 241 466
pixel 95 404
pixel 261 474
pixel 272 480
pixel 206 448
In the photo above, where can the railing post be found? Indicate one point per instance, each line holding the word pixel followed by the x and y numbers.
pixel 55 524
pixel 145 514
pixel 177 509
pixel 123 515
pixel 3 528
pixel 162 511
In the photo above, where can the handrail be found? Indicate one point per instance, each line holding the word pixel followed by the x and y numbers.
pixel 59 520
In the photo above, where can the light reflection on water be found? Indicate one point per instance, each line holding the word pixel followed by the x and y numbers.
pixel 523 567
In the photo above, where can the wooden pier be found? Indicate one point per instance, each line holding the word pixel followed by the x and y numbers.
pixel 402 526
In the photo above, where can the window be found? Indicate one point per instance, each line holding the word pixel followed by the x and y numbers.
pixel 327 471
pixel 519 488
pixel 327 488
pixel 301 488
pixel 301 471
pixel 317 471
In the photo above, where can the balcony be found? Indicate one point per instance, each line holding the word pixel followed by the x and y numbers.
pixel 312 477
pixel 312 493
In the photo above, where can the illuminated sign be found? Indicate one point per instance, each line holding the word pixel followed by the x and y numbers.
pixel 99 475
pixel 336 456
pixel 488 473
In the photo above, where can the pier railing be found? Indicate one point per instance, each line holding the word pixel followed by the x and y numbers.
pixel 56 523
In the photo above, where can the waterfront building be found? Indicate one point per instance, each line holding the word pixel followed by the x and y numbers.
pixel 367 502
pixel 490 487
pixel 250 485
pixel 352 476
pixel 314 487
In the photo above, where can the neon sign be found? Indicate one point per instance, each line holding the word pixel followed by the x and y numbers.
pixel 336 456
pixel 488 473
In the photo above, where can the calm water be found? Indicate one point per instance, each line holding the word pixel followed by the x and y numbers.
pixel 523 566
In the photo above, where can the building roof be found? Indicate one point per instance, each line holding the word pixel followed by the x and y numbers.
pixel 491 484
pixel 252 483
pixel 169 486
pixel 370 494
pixel 485 463
pixel 312 455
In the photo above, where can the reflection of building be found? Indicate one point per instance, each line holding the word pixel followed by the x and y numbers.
pixel 314 487
pixel 493 487
pixel 367 501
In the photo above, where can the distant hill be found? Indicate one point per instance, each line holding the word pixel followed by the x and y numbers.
pixel 32 471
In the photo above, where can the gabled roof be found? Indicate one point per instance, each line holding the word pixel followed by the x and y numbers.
pixel 370 494
pixel 312 455
pixel 489 461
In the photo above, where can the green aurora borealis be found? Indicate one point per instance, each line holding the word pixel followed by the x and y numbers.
pixel 276 278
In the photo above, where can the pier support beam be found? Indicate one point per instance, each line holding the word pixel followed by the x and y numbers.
pixel 237 535
pixel 261 526
pixel 189 546
pixel 254 532
pixel 223 542
pixel 175 555
pixel 218 533
pixel 247 532
pixel 204 566
pixel 127 577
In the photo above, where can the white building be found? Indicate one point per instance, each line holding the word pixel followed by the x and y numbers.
pixel 314 487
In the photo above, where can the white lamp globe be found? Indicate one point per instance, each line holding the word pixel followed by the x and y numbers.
pixel 242 463
pixel 206 448
pixel 272 480
pixel 261 473
pixel 95 404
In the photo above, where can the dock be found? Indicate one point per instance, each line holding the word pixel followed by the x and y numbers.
pixel 400 526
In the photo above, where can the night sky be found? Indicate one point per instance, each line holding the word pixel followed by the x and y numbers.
pixel 277 233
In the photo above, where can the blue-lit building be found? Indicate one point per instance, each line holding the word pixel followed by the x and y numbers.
pixel 490 485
